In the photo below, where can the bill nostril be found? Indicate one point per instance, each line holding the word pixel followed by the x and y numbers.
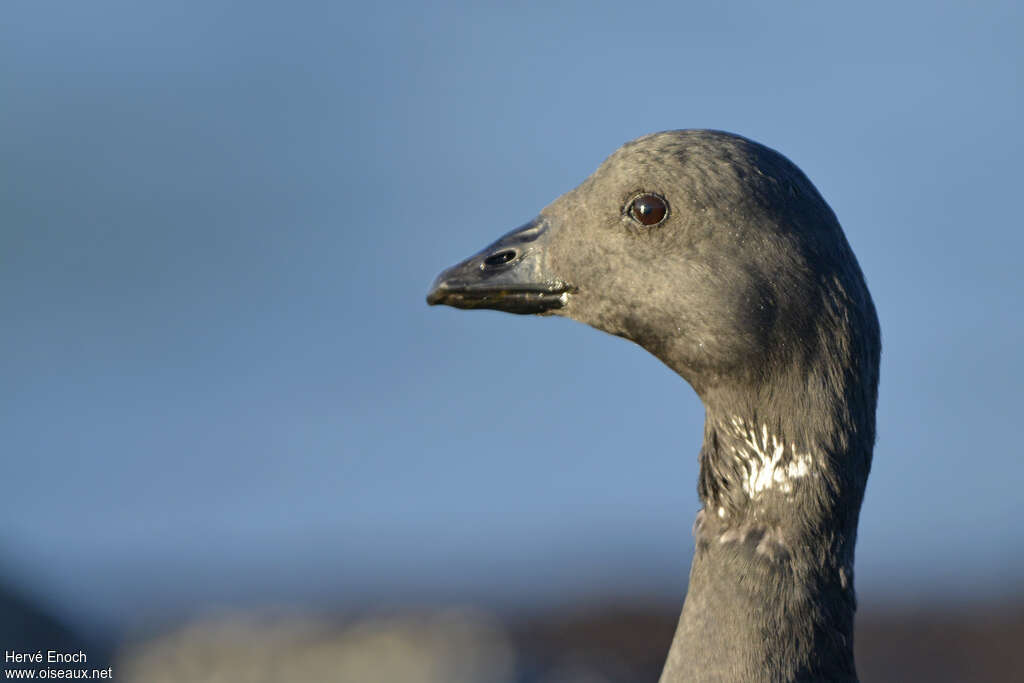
pixel 499 258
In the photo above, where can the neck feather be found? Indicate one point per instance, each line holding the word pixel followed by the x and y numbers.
pixel 771 592
pixel 787 449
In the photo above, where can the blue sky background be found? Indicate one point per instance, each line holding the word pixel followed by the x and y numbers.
pixel 218 222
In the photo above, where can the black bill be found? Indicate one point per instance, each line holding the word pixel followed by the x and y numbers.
pixel 511 275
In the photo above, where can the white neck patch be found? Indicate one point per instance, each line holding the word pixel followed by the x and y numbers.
pixel 763 459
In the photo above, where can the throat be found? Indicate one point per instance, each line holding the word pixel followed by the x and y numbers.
pixel 749 466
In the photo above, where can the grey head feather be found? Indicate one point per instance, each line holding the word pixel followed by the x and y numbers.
pixel 748 289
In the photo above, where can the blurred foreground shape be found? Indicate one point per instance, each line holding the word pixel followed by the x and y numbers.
pixel 599 645
pixel 447 646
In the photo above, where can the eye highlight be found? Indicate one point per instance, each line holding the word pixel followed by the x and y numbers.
pixel 647 209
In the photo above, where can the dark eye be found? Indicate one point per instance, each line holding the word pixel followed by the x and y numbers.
pixel 648 209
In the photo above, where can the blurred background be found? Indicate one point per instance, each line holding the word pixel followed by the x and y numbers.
pixel 235 444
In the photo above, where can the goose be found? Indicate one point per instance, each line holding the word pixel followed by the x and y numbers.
pixel 718 256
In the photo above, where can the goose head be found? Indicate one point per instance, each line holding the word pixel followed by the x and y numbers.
pixel 714 253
